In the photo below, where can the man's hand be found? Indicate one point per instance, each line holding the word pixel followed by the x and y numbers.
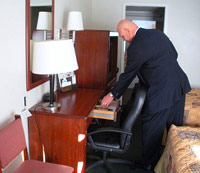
pixel 106 101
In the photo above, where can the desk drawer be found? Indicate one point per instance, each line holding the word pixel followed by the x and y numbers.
pixel 109 114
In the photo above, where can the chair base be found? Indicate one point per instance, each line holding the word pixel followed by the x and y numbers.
pixel 107 162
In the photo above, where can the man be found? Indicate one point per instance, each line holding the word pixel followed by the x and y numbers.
pixel 153 58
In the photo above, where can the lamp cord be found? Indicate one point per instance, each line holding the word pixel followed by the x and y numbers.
pixel 38 127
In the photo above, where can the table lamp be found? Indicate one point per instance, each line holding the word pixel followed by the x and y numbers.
pixel 44 22
pixel 52 57
pixel 75 22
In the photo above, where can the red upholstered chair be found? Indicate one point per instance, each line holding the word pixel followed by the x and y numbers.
pixel 12 142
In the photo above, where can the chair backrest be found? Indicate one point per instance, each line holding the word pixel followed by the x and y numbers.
pixel 138 101
pixel 12 142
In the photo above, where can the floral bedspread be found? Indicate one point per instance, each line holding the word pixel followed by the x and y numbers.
pixel 182 151
pixel 192 108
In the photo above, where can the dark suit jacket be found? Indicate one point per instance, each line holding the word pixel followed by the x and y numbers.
pixel 153 58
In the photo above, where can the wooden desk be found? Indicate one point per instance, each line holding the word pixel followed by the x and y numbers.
pixel 61 130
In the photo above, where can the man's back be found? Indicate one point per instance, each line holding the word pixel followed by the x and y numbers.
pixel 159 69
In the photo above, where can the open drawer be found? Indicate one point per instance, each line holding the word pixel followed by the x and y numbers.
pixel 110 113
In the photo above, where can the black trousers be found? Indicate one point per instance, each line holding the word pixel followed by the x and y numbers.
pixel 153 126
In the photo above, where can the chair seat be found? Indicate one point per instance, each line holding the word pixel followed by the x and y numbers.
pixel 108 140
pixel 111 146
pixel 34 166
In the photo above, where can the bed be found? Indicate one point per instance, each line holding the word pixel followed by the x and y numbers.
pixel 182 148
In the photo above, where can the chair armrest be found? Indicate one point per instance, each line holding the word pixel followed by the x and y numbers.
pixel 109 129
pixel 103 130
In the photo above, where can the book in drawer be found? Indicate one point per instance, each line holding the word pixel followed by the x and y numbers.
pixel 110 113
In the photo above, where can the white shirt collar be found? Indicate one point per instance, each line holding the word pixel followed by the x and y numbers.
pixel 137 30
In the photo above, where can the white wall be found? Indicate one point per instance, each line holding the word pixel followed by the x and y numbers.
pixel 184 29
pixel 12 54
pixel 182 26
pixel 64 6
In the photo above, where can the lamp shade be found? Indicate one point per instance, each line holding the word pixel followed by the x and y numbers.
pixel 75 21
pixel 53 57
pixel 44 20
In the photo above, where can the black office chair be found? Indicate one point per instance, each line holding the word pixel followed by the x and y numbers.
pixel 116 140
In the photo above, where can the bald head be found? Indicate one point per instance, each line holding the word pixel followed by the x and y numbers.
pixel 127 29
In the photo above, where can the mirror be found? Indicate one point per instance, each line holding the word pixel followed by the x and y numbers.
pixel 33 7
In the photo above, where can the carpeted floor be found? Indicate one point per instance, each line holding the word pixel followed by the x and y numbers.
pixel 119 168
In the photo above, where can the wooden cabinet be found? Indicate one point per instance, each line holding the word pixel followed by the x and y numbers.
pixel 63 133
pixel 96 53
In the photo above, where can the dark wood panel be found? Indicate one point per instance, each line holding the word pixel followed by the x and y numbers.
pixel 92 50
pixel 113 70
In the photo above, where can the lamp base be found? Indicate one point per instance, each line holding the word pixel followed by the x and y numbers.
pixel 52 108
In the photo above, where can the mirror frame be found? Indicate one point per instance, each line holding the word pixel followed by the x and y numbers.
pixel 30 85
